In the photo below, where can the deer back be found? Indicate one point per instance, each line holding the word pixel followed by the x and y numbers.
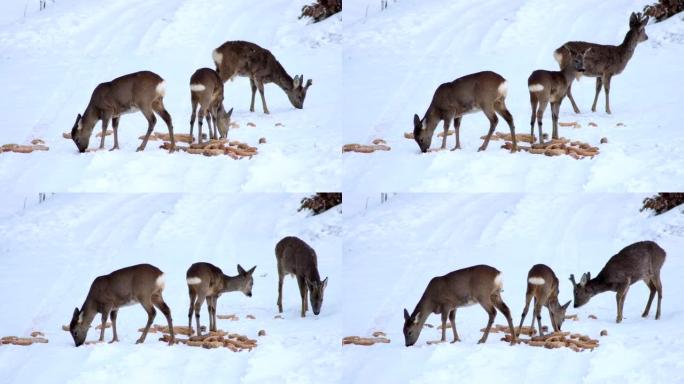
pixel 206 87
pixel 636 261
pixel 298 258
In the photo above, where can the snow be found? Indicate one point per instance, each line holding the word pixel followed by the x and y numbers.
pixel 394 60
pixel 52 60
pixel 392 250
pixel 52 251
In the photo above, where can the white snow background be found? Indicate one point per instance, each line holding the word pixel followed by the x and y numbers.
pixel 51 60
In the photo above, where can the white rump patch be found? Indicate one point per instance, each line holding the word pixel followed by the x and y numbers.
pixel 161 281
pixel 536 281
pixel 557 56
pixel 536 88
pixel 194 280
pixel 161 88
pixel 503 89
pixel 498 281
pixel 197 87
pixel 218 57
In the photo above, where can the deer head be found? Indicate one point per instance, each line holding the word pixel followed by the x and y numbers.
pixel 78 327
pixel 581 292
pixel 80 134
pixel 421 134
pixel 637 24
pixel 558 314
pixel 246 279
pixel 298 92
pixel 577 58
pixel 223 121
pixel 316 290
pixel 412 327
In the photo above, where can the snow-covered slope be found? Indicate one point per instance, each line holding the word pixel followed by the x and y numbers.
pixel 392 250
pixel 51 252
pixel 53 59
pixel 395 59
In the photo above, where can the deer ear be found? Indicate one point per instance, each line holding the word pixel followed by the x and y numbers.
pixel 566 305
pixel 296 82
pixel 230 113
pixel 75 315
pixel 416 121
pixel 415 319
pixel 406 314
pixel 241 270
pixel 633 20
pixel 645 21
pixel 572 280
pixel 308 84
pixel 251 270
pixel 325 282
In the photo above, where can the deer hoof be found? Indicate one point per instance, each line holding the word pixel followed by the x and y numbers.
pixel 140 149
pixel 139 341
pixel 482 148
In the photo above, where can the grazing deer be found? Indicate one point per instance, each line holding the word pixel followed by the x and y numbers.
pixel 639 261
pixel 206 89
pixel 242 58
pixel 142 283
pixel 542 284
pixel 140 91
pixel 552 86
pixel 485 91
pixel 444 294
pixel 206 281
pixel 296 257
pixel 605 61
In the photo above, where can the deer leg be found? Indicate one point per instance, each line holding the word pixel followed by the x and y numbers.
pixel 158 302
pixel 192 307
pixel 452 319
pixel 503 308
pixel 659 287
pixel 199 124
pixel 115 127
pixel 445 315
pixel 599 83
pixel 105 122
pixel 493 120
pixel 572 99
pixel 606 88
pixel 198 306
pixel 105 315
pixel 260 86
pixel 151 313
pixel 555 110
pixel 254 88
pixel 457 129
pixel 209 125
pixel 491 311
pixel 534 102
pixel 620 296
pixel 537 315
pixel 192 116
pixel 158 107
pixel 302 293
pixel 151 121
pixel 447 121
pixel 528 298
pixel 214 301
pixel 540 117
pixel 500 108
pixel 651 295
pixel 280 292
pixel 112 315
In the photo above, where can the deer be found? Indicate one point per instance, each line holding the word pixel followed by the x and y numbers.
pixel 206 89
pixel 605 61
pixel 140 91
pixel 485 91
pixel 142 283
pixel 207 281
pixel 639 261
pixel 297 258
pixel 242 58
pixel 479 284
pixel 542 284
pixel 551 87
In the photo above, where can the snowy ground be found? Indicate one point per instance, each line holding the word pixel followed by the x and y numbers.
pixel 395 59
pixel 392 250
pixel 51 252
pixel 50 62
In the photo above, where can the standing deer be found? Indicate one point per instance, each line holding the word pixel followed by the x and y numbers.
pixel 140 91
pixel 142 283
pixel 542 284
pixel 206 89
pixel 296 257
pixel 206 281
pixel 605 61
pixel 552 86
pixel 485 91
pixel 639 261
pixel 444 294
pixel 242 58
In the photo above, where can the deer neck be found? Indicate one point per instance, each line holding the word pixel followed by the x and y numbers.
pixel 281 78
pixel 89 310
pixel 230 283
pixel 629 45
pixel 596 286
pixel 569 73
pixel 89 119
